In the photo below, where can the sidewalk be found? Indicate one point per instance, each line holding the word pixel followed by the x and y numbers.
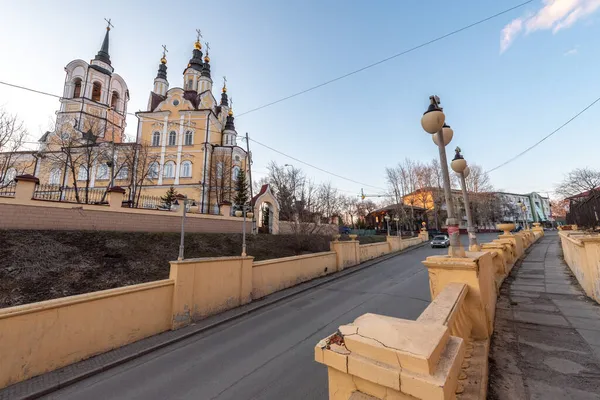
pixel 546 343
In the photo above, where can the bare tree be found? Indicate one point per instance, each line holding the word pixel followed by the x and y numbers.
pixel 330 201
pixel 579 181
pixel 13 136
pixel 220 177
pixel 288 184
pixel 142 165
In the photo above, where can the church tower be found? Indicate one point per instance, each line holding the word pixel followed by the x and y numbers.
pixel 94 98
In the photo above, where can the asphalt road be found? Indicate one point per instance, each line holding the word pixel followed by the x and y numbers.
pixel 268 354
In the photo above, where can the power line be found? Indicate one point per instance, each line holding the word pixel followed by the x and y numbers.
pixel 313 166
pixel 545 137
pixel 410 50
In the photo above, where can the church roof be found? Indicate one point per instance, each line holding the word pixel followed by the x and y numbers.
pixel 263 190
pixel 103 53
pixel 155 100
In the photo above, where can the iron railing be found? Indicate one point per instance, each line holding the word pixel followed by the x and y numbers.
pixel 585 213
pixel 69 194
pixel 8 190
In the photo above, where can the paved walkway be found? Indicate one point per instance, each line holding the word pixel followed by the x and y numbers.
pixel 546 343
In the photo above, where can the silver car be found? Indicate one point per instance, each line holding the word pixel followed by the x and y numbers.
pixel 440 241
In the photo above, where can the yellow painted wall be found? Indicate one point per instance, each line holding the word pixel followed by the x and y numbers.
pixel 373 250
pixel 273 275
pixel 582 255
pixel 40 337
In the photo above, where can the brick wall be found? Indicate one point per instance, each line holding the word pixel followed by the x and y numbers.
pixel 17 216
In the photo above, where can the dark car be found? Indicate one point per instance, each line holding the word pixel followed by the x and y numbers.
pixel 440 241
pixel 344 230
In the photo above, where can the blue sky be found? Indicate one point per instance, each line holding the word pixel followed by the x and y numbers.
pixel 504 84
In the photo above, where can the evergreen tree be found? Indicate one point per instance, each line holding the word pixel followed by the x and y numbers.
pixel 241 187
pixel 169 197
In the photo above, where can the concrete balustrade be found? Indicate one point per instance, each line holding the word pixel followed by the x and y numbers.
pixel 582 254
pixel 444 352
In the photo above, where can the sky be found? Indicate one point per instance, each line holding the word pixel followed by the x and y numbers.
pixel 504 84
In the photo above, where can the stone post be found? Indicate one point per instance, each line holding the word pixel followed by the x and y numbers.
pixel 25 187
pixel 347 253
pixel 477 271
pixel 115 197
pixel 395 243
pixel 225 208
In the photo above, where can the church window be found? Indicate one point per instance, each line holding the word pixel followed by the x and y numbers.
pixel 175 102
pixel 190 84
pixel 96 91
pixel 10 175
pixel 237 158
pixel 102 173
pixel 186 169
pixel 123 172
pixel 114 100
pixel 82 174
pixel 169 170
pixel 153 170
pixel 236 172
pixel 172 138
pixel 54 177
pixel 189 136
pixel 219 170
pixel 77 88
pixel 156 139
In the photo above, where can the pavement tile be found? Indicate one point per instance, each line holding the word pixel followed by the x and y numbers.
pixel 585 323
pixel 591 337
pixel 530 282
pixel 543 391
pixel 539 307
pixel 526 288
pixel 561 289
pixel 580 312
pixel 574 303
pixel 525 294
pixel 541 319
pixel 596 350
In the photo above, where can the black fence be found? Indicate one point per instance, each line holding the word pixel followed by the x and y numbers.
pixel 70 195
pixel 8 190
pixel 585 213
pixel 150 202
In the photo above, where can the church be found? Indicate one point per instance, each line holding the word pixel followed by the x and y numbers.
pixel 186 138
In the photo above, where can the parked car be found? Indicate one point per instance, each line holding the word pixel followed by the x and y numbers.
pixel 440 241
pixel 344 230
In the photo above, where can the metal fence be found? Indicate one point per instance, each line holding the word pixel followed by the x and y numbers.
pixel 8 190
pixel 150 202
pixel 70 195
pixel 585 213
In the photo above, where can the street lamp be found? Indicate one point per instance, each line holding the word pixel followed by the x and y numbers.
pixel 523 210
pixel 181 239
pixel 433 122
pixel 397 227
pixel 245 211
pixel 459 165
pixel 387 219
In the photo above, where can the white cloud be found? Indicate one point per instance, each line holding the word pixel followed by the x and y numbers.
pixel 554 14
pixel 571 52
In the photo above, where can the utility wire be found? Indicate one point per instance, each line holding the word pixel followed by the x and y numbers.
pixel 410 50
pixel 545 137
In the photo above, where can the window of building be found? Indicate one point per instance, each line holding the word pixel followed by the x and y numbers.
pixel 190 84
pixel 54 177
pixel 237 158
pixel 153 170
pixel 102 173
pixel 186 169
pixel 96 91
pixel 169 170
pixel 77 88
pixel 123 172
pixel 189 138
pixel 9 176
pixel 175 102
pixel 236 172
pixel 219 170
pixel 114 100
pixel 82 174
pixel 156 139
pixel 172 138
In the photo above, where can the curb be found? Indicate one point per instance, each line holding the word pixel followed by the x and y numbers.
pixel 200 329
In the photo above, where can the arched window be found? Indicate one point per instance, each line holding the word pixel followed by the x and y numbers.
pixel 172 138
pixel 102 173
pixel 189 138
pixel 186 169
pixel 219 170
pixel 156 139
pixel 169 170
pixel 9 176
pixel 96 91
pixel 82 174
pixel 123 172
pixel 114 100
pixel 76 88
pixel 54 177
pixel 236 172
pixel 153 170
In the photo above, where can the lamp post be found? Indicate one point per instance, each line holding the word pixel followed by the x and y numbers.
pixel 245 211
pixel 181 239
pixel 459 165
pixel 524 211
pixel 433 122
pixel 397 226
pixel 387 220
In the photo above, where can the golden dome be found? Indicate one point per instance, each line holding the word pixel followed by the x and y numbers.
pixel 224 89
pixel 206 58
pixel 197 45
pixel 163 60
pixel 230 113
